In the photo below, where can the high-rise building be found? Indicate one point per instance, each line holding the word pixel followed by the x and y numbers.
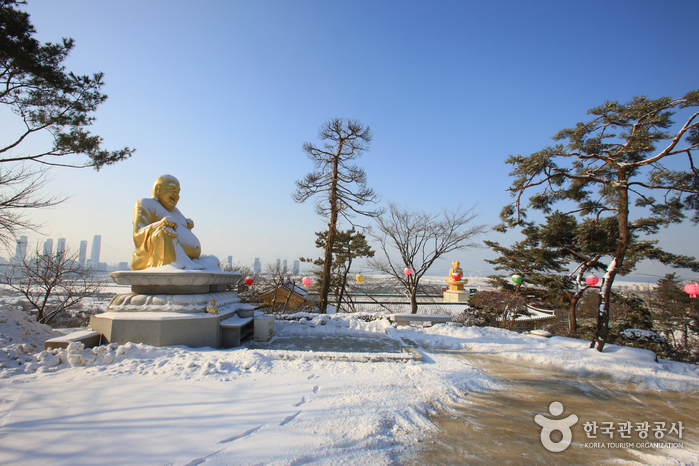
pixel 257 266
pixel 284 266
pixel 61 246
pixel 21 251
pixel 297 267
pixel 230 261
pixel 95 253
pixel 48 247
pixel 82 257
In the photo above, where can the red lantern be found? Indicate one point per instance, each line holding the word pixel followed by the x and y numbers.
pixel 692 289
pixel 249 281
pixel 456 276
pixel 407 271
pixel 591 280
pixel 306 281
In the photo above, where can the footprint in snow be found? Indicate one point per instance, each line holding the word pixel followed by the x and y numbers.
pixel 288 419
pixel 247 433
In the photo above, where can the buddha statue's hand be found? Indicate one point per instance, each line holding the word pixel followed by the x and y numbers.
pixel 190 223
pixel 167 227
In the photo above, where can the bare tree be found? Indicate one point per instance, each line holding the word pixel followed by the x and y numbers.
pixel 421 238
pixel 19 191
pixel 278 275
pixel 340 184
pixel 247 293
pixel 52 283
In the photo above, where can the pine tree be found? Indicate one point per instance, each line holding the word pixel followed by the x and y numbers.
pixel 609 164
pixel 341 186
pixel 349 245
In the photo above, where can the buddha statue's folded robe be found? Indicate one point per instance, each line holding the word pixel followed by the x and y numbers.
pixel 157 244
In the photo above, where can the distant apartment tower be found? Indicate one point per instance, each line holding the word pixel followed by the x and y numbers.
pixel 82 257
pixel 284 266
pixel 297 268
pixel 48 247
pixel 230 261
pixel 257 266
pixel 21 251
pixel 95 253
pixel 61 246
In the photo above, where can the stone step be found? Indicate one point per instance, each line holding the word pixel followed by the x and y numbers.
pixel 89 338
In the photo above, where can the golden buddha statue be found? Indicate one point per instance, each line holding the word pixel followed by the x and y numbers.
pixel 455 269
pixel 456 285
pixel 161 234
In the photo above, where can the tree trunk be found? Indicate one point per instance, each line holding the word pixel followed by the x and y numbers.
pixel 413 300
pixel 288 297
pixel 602 331
pixel 343 283
pixel 332 232
pixel 572 320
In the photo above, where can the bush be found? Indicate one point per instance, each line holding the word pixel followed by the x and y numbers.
pixel 490 306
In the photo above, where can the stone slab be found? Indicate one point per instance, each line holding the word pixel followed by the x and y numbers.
pixel 405 319
pixel 172 281
pixel 88 337
pixel 195 330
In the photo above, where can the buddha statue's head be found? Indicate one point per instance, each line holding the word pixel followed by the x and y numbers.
pixel 455 264
pixel 167 191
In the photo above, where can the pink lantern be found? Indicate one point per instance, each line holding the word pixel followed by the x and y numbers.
pixel 306 281
pixel 692 289
pixel 456 276
pixel 407 271
pixel 249 281
pixel 591 280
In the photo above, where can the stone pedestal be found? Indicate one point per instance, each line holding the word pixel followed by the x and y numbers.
pixel 170 308
pixel 456 292
pixel 162 328
pixel 264 328
pixel 457 296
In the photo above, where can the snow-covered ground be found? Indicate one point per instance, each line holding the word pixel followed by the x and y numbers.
pixel 136 404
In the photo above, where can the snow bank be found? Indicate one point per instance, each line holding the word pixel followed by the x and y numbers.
pixel 20 337
pixel 334 323
pixel 619 362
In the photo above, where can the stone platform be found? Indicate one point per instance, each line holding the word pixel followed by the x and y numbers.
pixel 169 307
pixel 195 330
pixel 457 296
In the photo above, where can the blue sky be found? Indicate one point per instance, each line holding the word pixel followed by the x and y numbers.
pixel 222 94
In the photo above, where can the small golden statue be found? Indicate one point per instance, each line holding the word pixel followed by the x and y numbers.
pixel 161 234
pixel 211 307
pixel 455 281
